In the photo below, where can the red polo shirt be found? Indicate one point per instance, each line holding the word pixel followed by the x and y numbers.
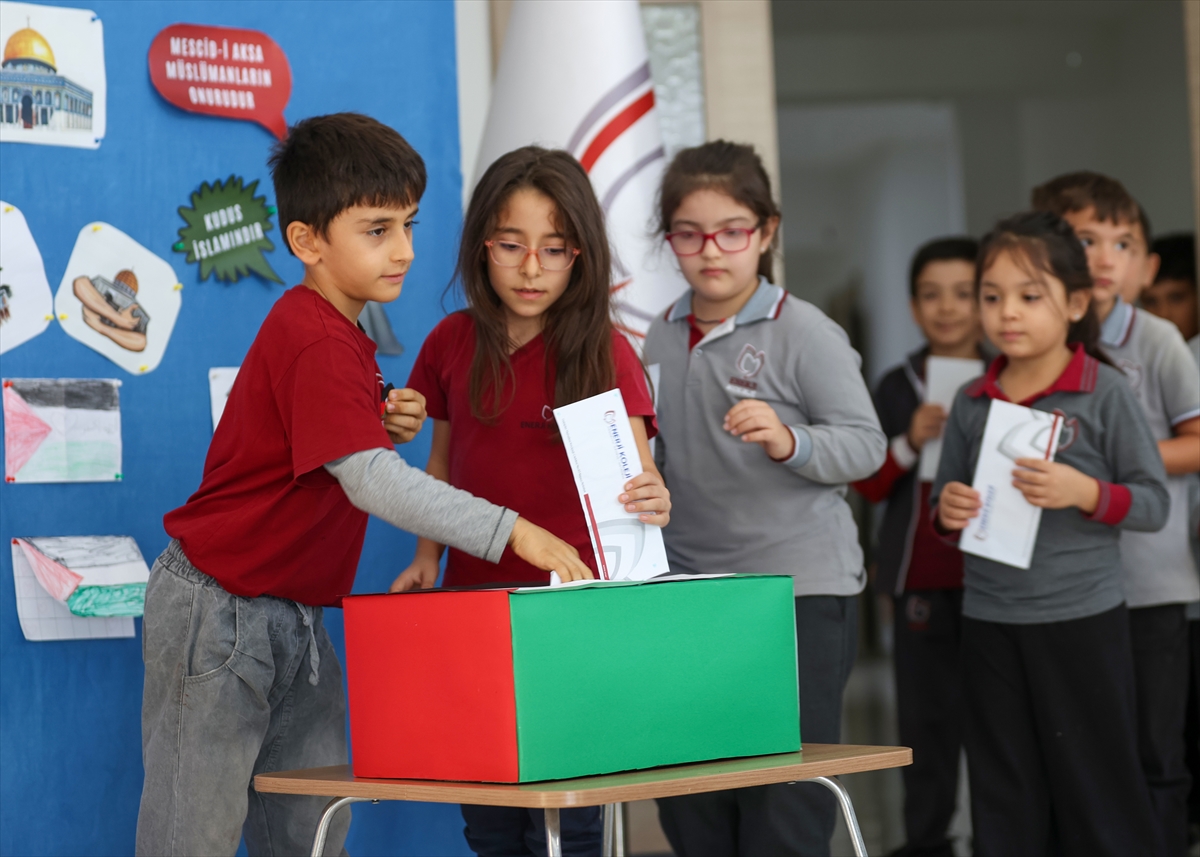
pixel 267 518
pixel 518 461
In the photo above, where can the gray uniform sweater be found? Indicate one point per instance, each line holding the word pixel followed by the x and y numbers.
pixel 1159 568
pixel 1076 567
pixel 733 508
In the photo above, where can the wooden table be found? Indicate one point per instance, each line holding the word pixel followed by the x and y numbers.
pixel 817 763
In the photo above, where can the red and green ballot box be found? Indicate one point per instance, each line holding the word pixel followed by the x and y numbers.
pixel 518 685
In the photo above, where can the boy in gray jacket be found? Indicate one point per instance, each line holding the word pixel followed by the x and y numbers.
pixel 764 418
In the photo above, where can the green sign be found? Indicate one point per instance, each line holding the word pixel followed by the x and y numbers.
pixel 226 231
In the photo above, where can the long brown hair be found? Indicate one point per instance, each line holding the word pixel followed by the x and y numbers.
pixel 578 327
pixel 1043 242
pixel 733 169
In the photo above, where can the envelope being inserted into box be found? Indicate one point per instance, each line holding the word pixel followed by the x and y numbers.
pixel 1006 528
pixel 604 456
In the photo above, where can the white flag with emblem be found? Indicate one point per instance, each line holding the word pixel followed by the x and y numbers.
pixel 576 76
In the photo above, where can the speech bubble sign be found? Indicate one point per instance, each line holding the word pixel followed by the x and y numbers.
pixel 223 71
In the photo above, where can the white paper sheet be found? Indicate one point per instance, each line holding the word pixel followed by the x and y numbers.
pixel 133 295
pixel 220 382
pixel 604 456
pixel 26 305
pixel 101 560
pixel 1006 528
pixel 944 377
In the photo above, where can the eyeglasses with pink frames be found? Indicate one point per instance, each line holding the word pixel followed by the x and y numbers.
pixel 510 254
pixel 729 240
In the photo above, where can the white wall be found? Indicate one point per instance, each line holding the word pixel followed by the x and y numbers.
pixel 864 185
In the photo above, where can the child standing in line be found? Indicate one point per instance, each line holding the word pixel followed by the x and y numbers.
pixel 1048 684
pixel 1173 293
pixel 916 568
pixel 537 334
pixel 764 420
pixel 1160 572
pixel 240 675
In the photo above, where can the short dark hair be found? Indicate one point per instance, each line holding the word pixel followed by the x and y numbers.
pixel 958 247
pixel 1178 254
pixel 327 164
pixel 734 169
pixel 1085 189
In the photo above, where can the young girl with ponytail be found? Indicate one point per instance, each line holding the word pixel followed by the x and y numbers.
pixel 1047 667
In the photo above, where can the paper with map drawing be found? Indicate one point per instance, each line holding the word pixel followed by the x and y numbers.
pixel 1007 525
pixel 603 454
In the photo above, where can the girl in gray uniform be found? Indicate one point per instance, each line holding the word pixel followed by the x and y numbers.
pixel 1051 731
pixel 763 419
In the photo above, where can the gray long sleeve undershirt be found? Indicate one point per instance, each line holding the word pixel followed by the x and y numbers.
pixel 381 483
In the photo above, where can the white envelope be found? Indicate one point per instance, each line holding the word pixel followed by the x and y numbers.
pixel 1006 528
pixel 604 456
pixel 944 377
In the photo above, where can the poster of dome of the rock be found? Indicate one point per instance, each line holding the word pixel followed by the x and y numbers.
pixel 52 83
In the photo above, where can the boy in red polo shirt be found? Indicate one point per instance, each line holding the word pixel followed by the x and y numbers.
pixel 240 675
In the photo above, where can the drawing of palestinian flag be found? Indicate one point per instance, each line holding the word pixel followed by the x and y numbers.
pixel 62 430
pixel 91 575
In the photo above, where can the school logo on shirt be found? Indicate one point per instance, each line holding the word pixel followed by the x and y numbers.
pixel 543 423
pixel 1069 432
pixel 749 363
pixel 1133 371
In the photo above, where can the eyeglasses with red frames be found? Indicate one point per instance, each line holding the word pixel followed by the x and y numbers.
pixel 510 254
pixel 729 240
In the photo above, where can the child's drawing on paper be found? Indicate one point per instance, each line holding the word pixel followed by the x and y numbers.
pixel 74 587
pixel 111 309
pixel 61 430
pixel 52 76
pixel 118 298
pixel 26 305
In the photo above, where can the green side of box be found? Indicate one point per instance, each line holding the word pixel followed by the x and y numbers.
pixel 615 678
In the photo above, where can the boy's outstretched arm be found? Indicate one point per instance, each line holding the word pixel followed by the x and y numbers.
pixel 381 483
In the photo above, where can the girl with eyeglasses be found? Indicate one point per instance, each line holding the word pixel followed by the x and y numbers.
pixel 764 419
pixel 537 333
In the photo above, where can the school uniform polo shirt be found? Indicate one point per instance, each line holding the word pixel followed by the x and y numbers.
pixel 1159 567
pixel 1076 567
pixel 733 508
pixel 518 460
pixel 268 519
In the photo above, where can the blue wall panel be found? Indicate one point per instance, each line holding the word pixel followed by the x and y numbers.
pixel 70 750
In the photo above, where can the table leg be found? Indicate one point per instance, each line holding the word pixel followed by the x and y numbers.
pixel 331 809
pixel 553 833
pixel 839 791
pixel 618 830
pixel 607 814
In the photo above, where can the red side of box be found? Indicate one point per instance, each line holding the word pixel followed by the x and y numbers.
pixel 430 676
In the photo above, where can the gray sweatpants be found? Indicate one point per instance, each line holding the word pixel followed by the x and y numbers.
pixel 234 687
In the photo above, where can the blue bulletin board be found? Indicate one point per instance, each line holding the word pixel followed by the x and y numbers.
pixel 70 745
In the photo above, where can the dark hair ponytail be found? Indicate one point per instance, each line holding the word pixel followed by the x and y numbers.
pixel 1044 242
pixel 733 169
